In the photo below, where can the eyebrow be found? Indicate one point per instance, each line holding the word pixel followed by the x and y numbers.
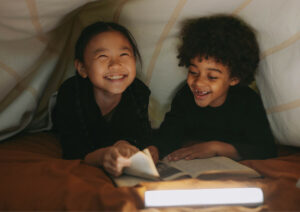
pixel 209 69
pixel 97 51
pixel 215 69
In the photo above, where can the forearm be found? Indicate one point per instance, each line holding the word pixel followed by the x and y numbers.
pixel 227 150
pixel 96 157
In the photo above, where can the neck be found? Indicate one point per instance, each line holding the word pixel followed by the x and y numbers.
pixel 106 101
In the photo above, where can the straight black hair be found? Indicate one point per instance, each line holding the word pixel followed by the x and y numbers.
pixel 98 27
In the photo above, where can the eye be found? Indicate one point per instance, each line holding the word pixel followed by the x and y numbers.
pixel 125 54
pixel 193 73
pixel 212 77
pixel 102 56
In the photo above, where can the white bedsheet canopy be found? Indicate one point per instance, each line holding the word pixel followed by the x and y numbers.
pixel 37 47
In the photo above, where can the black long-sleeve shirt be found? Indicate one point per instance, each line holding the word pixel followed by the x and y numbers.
pixel 240 121
pixel 81 126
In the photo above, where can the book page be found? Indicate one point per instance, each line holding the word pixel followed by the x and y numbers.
pixel 167 172
pixel 216 166
pixel 142 165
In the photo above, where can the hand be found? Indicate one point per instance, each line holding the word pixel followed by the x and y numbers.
pixel 117 157
pixel 113 158
pixel 199 150
pixel 154 153
pixel 205 150
pixel 125 148
pixel 114 162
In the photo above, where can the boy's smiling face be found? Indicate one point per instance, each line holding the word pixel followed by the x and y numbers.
pixel 209 81
pixel 109 63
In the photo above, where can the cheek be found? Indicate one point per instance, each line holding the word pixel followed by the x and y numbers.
pixel 131 66
pixel 190 81
pixel 220 88
pixel 133 73
pixel 132 69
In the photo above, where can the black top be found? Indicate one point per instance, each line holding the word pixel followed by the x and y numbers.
pixel 83 129
pixel 240 121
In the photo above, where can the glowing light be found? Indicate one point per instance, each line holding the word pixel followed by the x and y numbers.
pixel 205 197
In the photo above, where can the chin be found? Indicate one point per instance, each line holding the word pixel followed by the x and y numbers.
pixel 117 91
pixel 201 104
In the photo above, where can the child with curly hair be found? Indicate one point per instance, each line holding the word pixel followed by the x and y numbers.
pixel 215 113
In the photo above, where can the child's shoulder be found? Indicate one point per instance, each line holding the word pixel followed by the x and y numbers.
pixel 68 83
pixel 242 90
pixel 140 87
pixel 183 96
pixel 73 87
pixel 245 93
pixel 183 91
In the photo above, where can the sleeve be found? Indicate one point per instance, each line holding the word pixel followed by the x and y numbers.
pixel 258 142
pixel 171 132
pixel 143 132
pixel 68 125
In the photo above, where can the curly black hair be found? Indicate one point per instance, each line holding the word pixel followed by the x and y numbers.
pixel 225 38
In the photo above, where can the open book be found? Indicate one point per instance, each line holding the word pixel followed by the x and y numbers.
pixel 142 168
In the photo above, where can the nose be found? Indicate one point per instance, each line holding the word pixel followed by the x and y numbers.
pixel 200 81
pixel 114 63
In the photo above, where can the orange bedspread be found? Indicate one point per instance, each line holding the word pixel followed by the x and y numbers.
pixel 34 177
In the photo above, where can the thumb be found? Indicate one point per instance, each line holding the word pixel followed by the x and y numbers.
pixel 124 162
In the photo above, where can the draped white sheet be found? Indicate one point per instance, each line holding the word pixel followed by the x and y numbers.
pixel 37 44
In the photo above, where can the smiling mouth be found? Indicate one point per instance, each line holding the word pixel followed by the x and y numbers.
pixel 199 94
pixel 115 77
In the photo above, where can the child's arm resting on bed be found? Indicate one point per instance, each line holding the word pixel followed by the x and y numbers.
pixel 205 150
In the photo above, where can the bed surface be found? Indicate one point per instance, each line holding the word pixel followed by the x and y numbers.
pixel 34 177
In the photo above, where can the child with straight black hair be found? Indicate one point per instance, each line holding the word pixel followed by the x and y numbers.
pixel 215 113
pixel 101 114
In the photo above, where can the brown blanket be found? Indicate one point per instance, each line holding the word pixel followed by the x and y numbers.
pixel 34 177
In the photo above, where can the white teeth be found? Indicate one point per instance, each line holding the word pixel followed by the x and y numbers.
pixel 115 77
pixel 202 92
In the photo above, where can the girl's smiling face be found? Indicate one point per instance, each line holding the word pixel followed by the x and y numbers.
pixel 209 81
pixel 109 63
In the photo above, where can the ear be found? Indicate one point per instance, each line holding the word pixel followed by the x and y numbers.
pixel 234 81
pixel 80 68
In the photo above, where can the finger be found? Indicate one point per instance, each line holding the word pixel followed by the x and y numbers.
pixel 155 157
pixel 123 152
pixel 173 157
pixel 115 167
pixel 133 150
pixel 178 155
pixel 110 169
pixel 128 150
pixel 197 155
pixel 191 157
pixel 114 153
pixel 123 162
pixel 179 152
pixel 110 158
